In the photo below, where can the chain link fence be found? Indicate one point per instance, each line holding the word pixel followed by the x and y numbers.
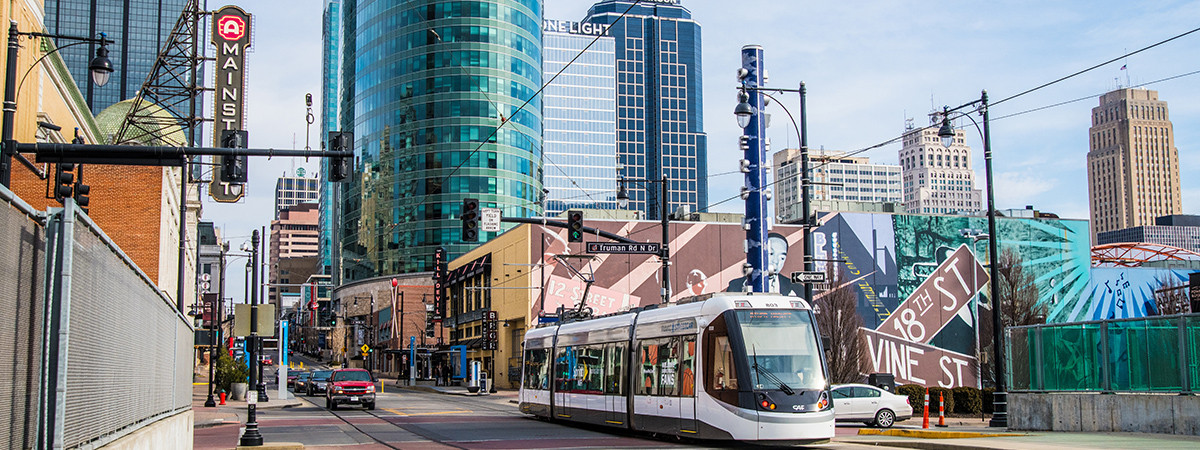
pixel 22 319
pixel 93 350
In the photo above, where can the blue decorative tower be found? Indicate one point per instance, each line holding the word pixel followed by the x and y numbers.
pixel 753 143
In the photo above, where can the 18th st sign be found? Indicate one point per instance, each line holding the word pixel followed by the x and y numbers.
pixel 231 36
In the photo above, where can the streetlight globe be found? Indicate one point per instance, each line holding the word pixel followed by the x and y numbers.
pixel 946 132
pixel 743 111
pixel 623 202
pixel 101 67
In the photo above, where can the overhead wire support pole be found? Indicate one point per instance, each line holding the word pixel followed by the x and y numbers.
pixel 805 192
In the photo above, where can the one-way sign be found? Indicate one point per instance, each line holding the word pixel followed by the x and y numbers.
pixel 808 277
pixel 647 248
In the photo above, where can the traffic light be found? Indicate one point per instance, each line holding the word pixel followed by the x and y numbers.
pixel 81 195
pixel 574 226
pixel 339 166
pixel 470 220
pixel 64 180
pixel 233 168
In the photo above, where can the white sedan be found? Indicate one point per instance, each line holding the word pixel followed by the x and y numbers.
pixel 870 405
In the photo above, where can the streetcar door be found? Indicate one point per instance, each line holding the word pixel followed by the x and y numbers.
pixel 614 384
pixel 687 386
pixel 563 368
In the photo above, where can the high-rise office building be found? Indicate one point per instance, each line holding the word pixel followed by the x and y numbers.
pixel 1133 165
pixel 579 117
pixel 841 182
pixel 1182 231
pixel 292 253
pixel 443 110
pixel 937 179
pixel 139 28
pixel 660 119
pixel 331 22
pixel 294 191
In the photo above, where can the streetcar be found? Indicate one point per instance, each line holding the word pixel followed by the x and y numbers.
pixel 724 366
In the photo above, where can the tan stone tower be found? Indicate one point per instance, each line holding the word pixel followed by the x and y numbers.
pixel 1133 165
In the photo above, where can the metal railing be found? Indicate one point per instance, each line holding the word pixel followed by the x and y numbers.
pixel 1147 354
pixel 92 349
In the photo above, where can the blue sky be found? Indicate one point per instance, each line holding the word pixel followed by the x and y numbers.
pixel 867 65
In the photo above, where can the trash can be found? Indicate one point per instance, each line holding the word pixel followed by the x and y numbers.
pixel 885 381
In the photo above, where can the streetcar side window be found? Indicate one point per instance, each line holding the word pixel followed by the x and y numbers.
pixel 591 363
pixel 724 374
pixel 536 370
pixel 719 374
pixel 614 358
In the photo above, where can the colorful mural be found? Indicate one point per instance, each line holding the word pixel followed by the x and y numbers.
pixel 920 280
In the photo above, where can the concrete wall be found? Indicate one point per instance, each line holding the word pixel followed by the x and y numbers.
pixel 170 432
pixel 1144 413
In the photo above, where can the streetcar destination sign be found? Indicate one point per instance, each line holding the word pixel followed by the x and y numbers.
pixel 621 247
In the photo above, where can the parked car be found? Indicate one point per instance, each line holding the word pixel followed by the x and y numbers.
pixel 292 374
pixel 869 405
pixel 350 386
pixel 318 384
pixel 300 385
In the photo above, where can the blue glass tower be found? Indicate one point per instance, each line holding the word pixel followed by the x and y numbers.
pixel 139 29
pixel 660 125
pixel 580 162
pixel 330 40
pixel 442 109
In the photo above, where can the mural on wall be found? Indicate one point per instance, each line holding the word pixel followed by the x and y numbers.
pixel 1122 292
pixel 921 281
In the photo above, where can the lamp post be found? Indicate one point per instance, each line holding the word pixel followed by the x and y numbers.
pixel 749 114
pixel 252 437
pixel 946 133
pixel 101 67
pixel 664 252
pixel 214 321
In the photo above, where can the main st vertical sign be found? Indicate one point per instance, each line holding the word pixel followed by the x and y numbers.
pixel 231 36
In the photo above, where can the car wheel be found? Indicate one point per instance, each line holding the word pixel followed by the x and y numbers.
pixel 370 406
pixel 885 418
pixel 328 404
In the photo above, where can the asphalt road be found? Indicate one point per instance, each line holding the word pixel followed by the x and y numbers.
pixel 406 419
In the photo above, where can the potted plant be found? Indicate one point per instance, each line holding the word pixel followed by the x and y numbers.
pixel 232 375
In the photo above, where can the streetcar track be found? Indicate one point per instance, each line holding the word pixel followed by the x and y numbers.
pixel 416 431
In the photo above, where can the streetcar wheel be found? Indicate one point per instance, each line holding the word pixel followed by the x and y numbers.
pixel 885 418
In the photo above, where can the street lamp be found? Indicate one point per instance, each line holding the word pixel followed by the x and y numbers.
pixel 101 67
pixel 252 437
pixel 664 252
pixel 946 133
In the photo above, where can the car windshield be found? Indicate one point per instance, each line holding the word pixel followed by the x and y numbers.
pixel 783 346
pixel 352 375
pixel 303 376
pixel 322 375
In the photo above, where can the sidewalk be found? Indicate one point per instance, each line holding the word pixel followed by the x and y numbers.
pixel 234 411
pixel 968 434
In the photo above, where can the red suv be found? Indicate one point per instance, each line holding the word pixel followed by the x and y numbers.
pixel 350 386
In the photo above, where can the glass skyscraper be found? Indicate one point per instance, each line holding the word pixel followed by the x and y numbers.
pixel 580 162
pixel 331 42
pixel 660 125
pixel 139 29
pixel 443 109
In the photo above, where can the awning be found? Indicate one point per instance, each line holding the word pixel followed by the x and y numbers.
pixel 471 269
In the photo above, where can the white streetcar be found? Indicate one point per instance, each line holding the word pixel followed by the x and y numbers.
pixel 725 366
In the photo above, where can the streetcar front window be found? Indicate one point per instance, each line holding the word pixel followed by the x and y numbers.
pixel 783 346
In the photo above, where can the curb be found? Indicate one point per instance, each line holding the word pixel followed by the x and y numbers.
pixel 931 434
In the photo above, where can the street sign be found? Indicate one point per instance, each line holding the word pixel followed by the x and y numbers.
pixel 365 349
pixel 647 248
pixel 808 277
pixel 491 219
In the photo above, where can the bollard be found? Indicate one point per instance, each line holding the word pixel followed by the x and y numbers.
pixel 222 398
pixel 925 422
pixel 941 410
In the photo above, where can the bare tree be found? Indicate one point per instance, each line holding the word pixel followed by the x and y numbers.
pixel 1018 306
pixel 1171 297
pixel 839 321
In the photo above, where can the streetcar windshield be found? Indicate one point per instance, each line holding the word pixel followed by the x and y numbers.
pixel 783 344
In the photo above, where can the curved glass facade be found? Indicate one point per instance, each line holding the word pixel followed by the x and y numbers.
pixel 437 94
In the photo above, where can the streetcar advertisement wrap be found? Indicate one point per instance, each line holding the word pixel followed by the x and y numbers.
pixel 921 281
